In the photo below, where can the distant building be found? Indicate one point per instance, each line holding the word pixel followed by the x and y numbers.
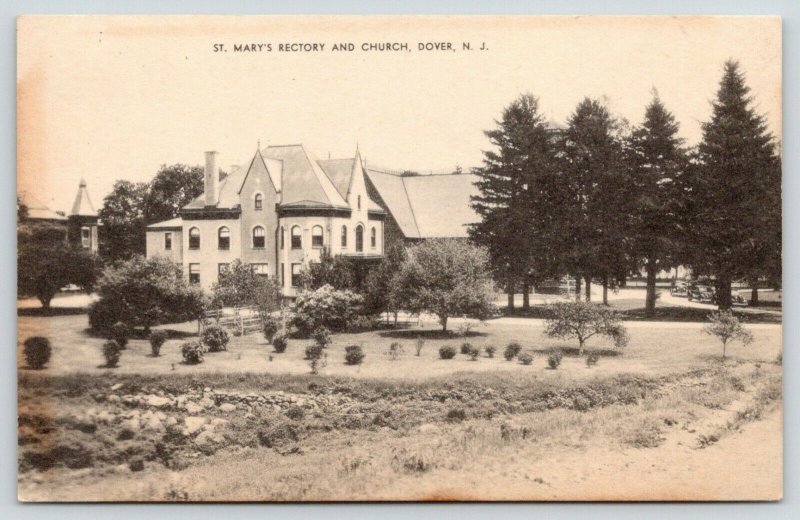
pixel 80 226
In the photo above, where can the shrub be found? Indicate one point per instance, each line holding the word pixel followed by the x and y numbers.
pixel 592 358
pixel 554 358
pixel 295 413
pixel 121 333
pixel 490 350
pixel 456 415
pixel 447 352
pixel 525 358
pixel 582 320
pixel 37 351
pixel 353 355
pixel 512 350
pixel 322 336
pixel 418 345
pixel 474 352
pixel 466 348
pixel 318 361
pixel 363 323
pixel 326 307
pixel 112 352
pixel 727 328
pixel 280 342
pixel 313 351
pixel 192 352
pixel 395 351
pixel 157 340
pixel 270 328
pixel 215 338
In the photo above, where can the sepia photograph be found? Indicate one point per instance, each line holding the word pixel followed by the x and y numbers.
pixel 399 258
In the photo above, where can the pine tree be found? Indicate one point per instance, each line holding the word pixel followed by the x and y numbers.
pixel 656 159
pixel 595 196
pixel 734 225
pixel 514 203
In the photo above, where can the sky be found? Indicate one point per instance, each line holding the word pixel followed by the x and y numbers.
pixel 109 97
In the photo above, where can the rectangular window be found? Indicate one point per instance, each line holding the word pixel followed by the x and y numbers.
pixel 283 277
pixel 86 235
pixel 167 241
pixel 296 274
pixel 194 273
pixel 222 269
pixel 261 269
pixel 297 238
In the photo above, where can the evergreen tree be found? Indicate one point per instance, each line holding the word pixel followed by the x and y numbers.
pixel 514 202
pixel 594 196
pixel 734 192
pixel 656 159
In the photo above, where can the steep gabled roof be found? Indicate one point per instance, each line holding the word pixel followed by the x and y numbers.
pixel 340 172
pixel 428 206
pixel 173 223
pixel 83 206
pixel 303 180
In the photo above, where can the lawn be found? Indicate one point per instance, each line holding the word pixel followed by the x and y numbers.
pixel 655 348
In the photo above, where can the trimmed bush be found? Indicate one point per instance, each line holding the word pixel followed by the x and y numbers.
pixel 313 352
pixel 474 352
pixel 111 352
pixel 37 351
pixel 280 342
pixel 354 355
pixel 418 345
pixel 121 333
pixel 554 358
pixel 512 350
pixel 592 358
pixel 157 340
pixel 447 352
pixel 456 415
pixel 215 338
pixel 525 358
pixel 395 351
pixel 270 328
pixel 192 352
pixel 322 336
pixel 466 348
pixel 490 350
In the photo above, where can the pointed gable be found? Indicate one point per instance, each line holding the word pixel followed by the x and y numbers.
pixel 340 172
pixel 83 206
pixel 260 170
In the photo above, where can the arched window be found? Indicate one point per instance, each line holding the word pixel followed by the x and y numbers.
pixel 359 238
pixel 344 236
pixel 224 238
pixel 283 233
pixel 316 237
pixel 373 238
pixel 258 202
pixel 258 237
pixel 194 238
pixel 297 238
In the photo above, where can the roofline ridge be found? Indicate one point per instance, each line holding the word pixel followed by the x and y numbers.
pixel 410 205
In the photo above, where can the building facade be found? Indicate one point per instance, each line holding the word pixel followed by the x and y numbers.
pixel 277 215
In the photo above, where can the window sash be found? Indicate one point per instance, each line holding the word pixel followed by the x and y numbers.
pixel 296 275
pixel 167 241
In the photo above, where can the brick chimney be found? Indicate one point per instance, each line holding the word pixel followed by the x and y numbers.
pixel 212 179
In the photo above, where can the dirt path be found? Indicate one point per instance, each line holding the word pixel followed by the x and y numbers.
pixel 743 465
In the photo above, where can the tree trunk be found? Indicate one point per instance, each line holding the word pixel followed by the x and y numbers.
pixel 444 323
pixel 580 347
pixel 650 299
pixel 754 292
pixel 605 290
pixel 45 301
pixel 510 292
pixel 526 301
pixel 577 288
pixel 588 288
pixel 724 293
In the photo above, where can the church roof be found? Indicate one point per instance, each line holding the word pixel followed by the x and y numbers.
pixel 37 209
pixel 428 206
